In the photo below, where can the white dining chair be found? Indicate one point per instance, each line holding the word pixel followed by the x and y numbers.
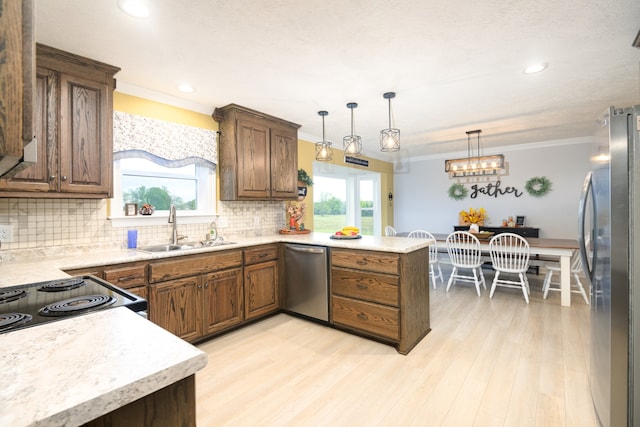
pixel 510 254
pixel 434 261
pixel 389 231
pixel 464 252
pixel 576 284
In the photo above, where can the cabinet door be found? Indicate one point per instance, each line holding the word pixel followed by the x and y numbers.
pixel 261 289
pixel 16 77
pixel 284 163
pixel 86 158
pixel 222 300
pixel 41 176
pixel 253 159
pixel 177 307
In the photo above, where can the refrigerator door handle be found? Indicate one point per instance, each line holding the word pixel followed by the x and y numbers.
pixel 588 265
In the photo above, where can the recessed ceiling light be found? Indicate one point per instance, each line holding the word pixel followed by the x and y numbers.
pixel 186 89
pixel 135 8
pixel 535 68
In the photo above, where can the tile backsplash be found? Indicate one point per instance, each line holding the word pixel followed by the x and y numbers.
pixel 47 223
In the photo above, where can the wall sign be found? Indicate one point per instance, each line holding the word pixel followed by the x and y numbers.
pixel 302 193
pixel 356 161
pixel 493 190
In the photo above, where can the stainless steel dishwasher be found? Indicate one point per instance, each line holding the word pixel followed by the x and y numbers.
pixel 307 281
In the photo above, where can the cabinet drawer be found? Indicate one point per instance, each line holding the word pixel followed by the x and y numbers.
pixel 372 287
pixel 194 265
pixel 365 260
pixel 260 254
pixel 127 277
pixel 367 317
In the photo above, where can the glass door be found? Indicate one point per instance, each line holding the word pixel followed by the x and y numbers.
pixel 345 196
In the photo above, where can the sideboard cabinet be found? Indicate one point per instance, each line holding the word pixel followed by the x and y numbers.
pixel 522 231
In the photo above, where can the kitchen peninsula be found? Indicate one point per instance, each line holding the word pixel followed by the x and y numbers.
pixel 138 358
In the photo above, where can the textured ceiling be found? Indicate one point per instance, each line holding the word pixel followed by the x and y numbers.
pixel 455 65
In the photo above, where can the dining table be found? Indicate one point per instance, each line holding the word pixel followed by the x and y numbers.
pixel 561 249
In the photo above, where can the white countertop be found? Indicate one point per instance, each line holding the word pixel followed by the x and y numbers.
pixel 41 265
pixel 68 372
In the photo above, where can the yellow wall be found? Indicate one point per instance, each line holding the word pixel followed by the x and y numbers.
pixel 156 110
pixel 306 156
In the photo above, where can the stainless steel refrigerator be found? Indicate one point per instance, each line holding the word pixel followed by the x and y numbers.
pixel 610 247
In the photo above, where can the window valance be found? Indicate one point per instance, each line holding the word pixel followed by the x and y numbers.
pixel 167 143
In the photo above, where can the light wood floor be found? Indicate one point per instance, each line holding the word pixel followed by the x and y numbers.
pixel 496 362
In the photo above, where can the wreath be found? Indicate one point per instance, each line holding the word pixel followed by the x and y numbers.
pixel 458 191
pixel 538 186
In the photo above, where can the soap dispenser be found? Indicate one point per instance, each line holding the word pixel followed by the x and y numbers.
pixel 213 231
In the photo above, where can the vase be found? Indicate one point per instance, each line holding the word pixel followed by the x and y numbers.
pixel 292 223
pixel 474 228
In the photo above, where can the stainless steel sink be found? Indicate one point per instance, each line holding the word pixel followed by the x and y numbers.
pixel 182 247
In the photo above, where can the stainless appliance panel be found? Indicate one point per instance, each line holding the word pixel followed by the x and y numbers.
pixel 609 262
pixel 307 281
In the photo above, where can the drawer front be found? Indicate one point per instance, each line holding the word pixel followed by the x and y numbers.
pixel 127 277
pixel 260 254
pixel 366 260
pixel 193 265
pixel 367 317
pixel 372 287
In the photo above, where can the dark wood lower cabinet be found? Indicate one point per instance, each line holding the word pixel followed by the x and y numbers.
pixel 176 305
pixel 223 300
pixel 261 289
pixel 174 405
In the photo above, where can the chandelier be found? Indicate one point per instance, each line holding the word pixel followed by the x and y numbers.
pixel 475 166
pixel 324 152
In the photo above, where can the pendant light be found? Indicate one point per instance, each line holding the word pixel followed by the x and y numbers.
pixel 352 144
pixel 324 152
pixel 389 138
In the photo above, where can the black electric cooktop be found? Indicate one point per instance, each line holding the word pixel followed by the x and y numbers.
pixel 36 303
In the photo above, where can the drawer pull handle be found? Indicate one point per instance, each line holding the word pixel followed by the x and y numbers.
pixel 263 255
pixel 126 278
pixel 362 316
pixel 363 287
pixel 361 262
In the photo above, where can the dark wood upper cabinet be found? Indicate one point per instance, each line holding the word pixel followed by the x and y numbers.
pixel 17 77
pixel 258 155
pixel 73 127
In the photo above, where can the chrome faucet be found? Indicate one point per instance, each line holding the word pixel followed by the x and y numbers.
pixel 174 228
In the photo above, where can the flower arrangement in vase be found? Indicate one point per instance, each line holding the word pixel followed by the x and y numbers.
pixel 474 218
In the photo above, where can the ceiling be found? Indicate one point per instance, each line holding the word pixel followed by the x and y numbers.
pixel 455 66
